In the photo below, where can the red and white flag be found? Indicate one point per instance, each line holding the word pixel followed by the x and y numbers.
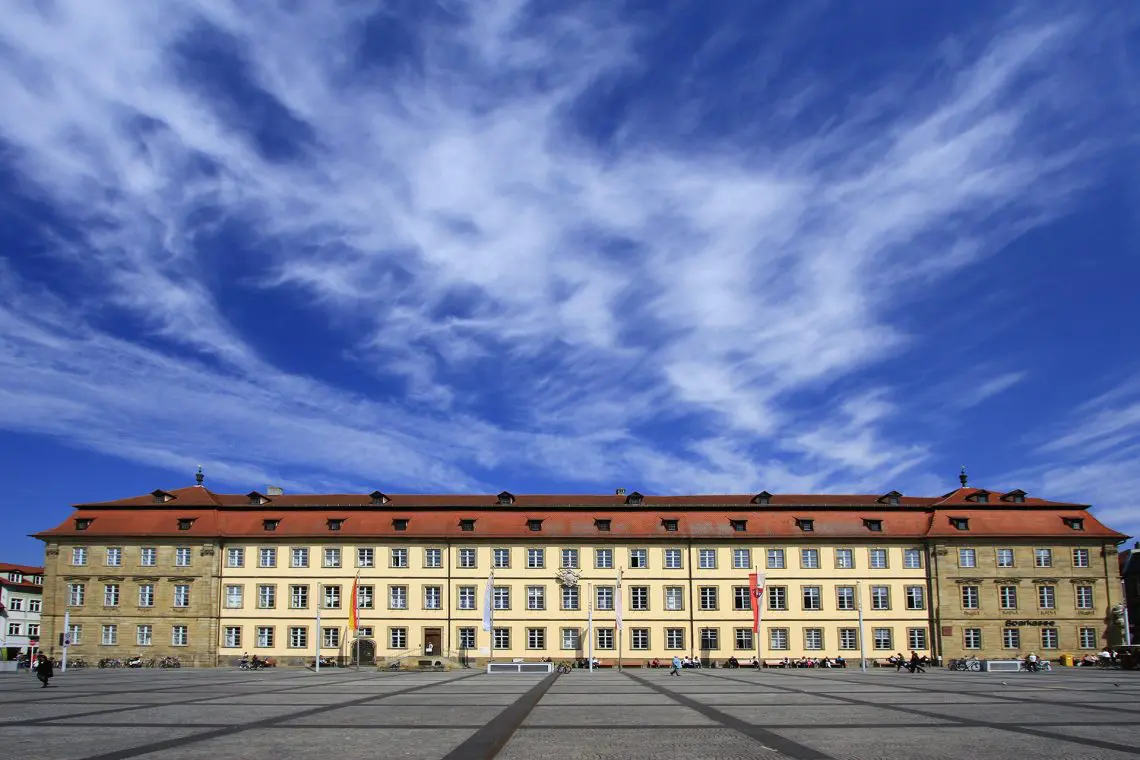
pixel 756 591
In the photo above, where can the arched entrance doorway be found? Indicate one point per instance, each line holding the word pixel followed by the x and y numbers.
pixel 367 649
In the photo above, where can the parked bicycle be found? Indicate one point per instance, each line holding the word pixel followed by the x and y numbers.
pixel 970 663
pixel 170 662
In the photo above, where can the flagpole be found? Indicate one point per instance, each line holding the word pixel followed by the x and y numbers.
pixel 862 644
pixel 489 615
pixel 356 618
pixel 317 667
pixel 618 618
pixel 590 627
pixel 756 633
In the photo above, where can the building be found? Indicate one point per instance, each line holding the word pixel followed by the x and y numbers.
pixel 208 576
pixel 21 605
pixel 1130 579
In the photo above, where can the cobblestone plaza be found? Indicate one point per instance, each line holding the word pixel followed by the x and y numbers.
pixel 465 715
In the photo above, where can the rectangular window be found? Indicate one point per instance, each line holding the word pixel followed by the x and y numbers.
pixel 1084 597
pixel 1007 597
pixel 604 597
pixel 1005 557
pixel 967 558
pixel 604 559
pixel 1080 557
pixel 232 636
pixel 604 638
pixel 570 559
pixel 969 597
pixel 535 559
pixel 235 597
pixel 812 598
pixel 674 638
pixel 776 559
pixel 433 598
pixel 433 558
pixel 778 638
pixel 916 639
pixel 467 558
pixel 146 595
pixel 365 597
pixel 915 598
pixel 741 598
pixel 500 558
pixel 148 557
pixel 674 598
pixel 570 638
pixel 536 638
pixel 364 632
pixel 672 559
pixel 365 557
pixel 235 557
pixel 114 557
pixel 267 557
pixel 1011 638
pixel 110 635
pixel 707 595
pixel 742 559
pixel 111 595
pixel 536 597
pixel 35 605
pixel 144 635
pixel 330 638
pixel 502 597
pixel 16 604
pixel 1050 639
pixel 912 559
pixel 298 597
pixel 639 598
pixel 399 558
pixel 809 559
pixel 331 557
pixel 398 638
pixel 777 597
pixel 1047 597
pixel 844 597
pixel 878 559
pixel 710 639
pixel 75 634
pixel 79 556
pixel 1087 637
pixel 813 638
pixel 1043 558
pixel 266 597
pixel 638 559
pixel 182 556
pixel 179 635
pixel 639 638
pixel 75 594
pixel 466 598
pixel 15 629
pixel 298 637
pixel 743 638
pixel 848 638
pixel 265 636
pixel 182 595
pixel 331 597
pixel 844 559
pixel 398 597
pixel 570 599
pixel 467 638
pixel 706 559
pixel 882 638
pixel 880 597
pixel 501 638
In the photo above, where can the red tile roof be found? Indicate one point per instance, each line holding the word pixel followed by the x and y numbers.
pixel 564 516
pixel 6 568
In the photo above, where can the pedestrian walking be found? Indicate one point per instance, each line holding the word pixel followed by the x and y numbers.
pixel 44 671
pixel 676 671
pixel 916 663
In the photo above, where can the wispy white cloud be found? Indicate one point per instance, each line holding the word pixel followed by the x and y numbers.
pixel 550 304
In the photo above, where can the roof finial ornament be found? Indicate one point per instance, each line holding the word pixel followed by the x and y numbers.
pixel 963 477
pixel 199 476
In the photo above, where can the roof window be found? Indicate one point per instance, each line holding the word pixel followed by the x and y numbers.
pixel 807 526
pixel 506 498
pixel 270 524
pixel 634 498
pixel 669 524
pixel 1016 496
pixel 602 525
pixel 1074 523
pixel 185 523
pixel 467 525
pixel 960 523
pixel 335 523
pixel 981 497
pixel 256 498
pixel 534 525
pixel 762 498
pixel 161 497
pixel 875 526
pixel 739 525
pixel 400 523
pixel 379 499
pixel 891 498
pixel 83 523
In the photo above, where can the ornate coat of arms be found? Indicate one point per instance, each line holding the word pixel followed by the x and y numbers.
pixel 567 577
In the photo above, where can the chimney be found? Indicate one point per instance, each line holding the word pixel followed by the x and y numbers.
pixel 620 492
pixel 274 491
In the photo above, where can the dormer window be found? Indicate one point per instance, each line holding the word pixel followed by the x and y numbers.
pixel 1074 523
pixel 891 498
pixel 379 499
pixel 875 526
pixel 467 525
pixel 960 523
pixel 762 498
pixel 634 498
pixel 400 523
pixel 506 498
pixel 1016 496
pixel 161 497
pixel 185 523
pixel 83 523
pixel 602 525
pixel 256 499
pixel 534 525
pixel 739 525
pixel 669 525
pixel 981 497
pixel 807 526
pixel 270 524
pixel 334 523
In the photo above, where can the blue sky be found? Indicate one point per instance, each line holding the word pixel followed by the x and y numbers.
pixel 556 246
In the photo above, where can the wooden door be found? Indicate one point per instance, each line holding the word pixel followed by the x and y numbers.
pixel 433 642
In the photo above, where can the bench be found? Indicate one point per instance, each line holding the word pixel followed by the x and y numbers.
pixel 1002 666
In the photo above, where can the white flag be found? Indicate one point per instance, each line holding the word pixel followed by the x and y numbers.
pixel 488 602
pixel 617 603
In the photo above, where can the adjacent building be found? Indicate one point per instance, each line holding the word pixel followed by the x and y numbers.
pixel 1130 579
pixel 208 576
pixel 21 606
